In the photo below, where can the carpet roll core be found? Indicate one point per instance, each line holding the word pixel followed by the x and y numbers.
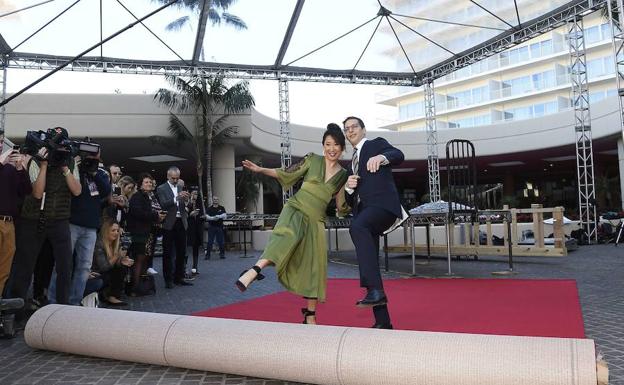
pixel 311 354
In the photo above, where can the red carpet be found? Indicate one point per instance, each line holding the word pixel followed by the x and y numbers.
pixel 548 308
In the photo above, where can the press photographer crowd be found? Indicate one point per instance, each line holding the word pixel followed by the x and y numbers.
pixel 78 232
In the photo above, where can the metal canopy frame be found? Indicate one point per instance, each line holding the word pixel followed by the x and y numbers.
pixel 515 35
pixel 582 129
pixel 507 39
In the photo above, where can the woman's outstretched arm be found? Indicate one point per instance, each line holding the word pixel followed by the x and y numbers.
pixel 251 166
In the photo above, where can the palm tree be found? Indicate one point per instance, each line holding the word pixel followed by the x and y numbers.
pixel 217 13
pixel 211 102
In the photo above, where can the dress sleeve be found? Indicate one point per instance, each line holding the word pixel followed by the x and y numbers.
pixel 342 208
pixel 289 176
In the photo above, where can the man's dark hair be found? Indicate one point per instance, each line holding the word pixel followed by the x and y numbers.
pixel 360 121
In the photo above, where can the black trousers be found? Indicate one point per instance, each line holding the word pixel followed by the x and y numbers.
pixel 195 238
pixel 174 241
pixel 43 271
pixel 114 281
pixel 29 241
pixel 366 228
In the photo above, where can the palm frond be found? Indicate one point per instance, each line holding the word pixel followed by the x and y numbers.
pixel 177 24
pixel 192 5
pixel 222 4
pixel 214 17
pixel 233 21
pixel 238 98
pixel 178 130
pixel 222 135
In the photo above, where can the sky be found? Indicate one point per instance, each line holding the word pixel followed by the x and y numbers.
pixel 313 104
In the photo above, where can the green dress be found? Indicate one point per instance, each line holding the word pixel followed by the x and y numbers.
pixel 298 246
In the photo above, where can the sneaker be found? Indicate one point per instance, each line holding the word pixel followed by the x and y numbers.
pixel 90 301
pixel 194 272
pixel 189 277
pixel 151 271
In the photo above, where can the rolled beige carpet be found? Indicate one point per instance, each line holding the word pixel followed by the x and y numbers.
pixel 312 354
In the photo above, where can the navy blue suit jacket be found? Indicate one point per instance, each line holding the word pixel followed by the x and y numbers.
pixel 377 189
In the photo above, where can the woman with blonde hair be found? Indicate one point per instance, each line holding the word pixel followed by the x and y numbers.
pixel 121 194
pixel 110 261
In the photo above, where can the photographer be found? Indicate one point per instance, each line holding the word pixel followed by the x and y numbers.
pixel 84 221
pixel 45 215
pixel 14 186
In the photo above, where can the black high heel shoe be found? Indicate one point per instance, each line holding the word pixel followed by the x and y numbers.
pixel 259 277
pixel 307 313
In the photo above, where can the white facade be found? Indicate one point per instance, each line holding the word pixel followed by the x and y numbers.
pixel 531 80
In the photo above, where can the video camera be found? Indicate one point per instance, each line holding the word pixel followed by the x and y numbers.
pixel 60 148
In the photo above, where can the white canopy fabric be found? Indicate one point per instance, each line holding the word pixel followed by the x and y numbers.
pixel 366 35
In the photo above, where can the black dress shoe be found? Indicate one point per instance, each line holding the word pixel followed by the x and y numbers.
pixel 183 283
pixel 374 297
pixel 382 326
pixel 169 285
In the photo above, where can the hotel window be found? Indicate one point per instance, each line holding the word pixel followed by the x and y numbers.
pixel 605 30
pixel 596 96
pixel 411 110
pixel 592 34
pixel 543 80
pixel 599 67
pixel 532 111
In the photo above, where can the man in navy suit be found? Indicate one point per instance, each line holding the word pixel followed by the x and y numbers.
pixel 372 194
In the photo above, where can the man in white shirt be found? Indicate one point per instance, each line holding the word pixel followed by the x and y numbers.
pixel 173 200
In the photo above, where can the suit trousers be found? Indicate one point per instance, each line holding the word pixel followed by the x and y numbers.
pixel 366 227
pixel 174 241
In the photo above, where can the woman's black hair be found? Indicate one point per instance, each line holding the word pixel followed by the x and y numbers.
pixel 335 132
pixel 142 177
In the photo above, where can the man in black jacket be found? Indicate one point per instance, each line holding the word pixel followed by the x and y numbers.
pixel 372 194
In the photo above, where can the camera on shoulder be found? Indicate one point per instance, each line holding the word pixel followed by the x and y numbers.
pixel 61 149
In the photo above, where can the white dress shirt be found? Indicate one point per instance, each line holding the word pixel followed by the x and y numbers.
pixel 175 198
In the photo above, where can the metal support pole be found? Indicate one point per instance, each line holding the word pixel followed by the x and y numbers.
pixel 284 112
pixel 432 143
pixel 582 127
pixel 447 226
pixel 3 78
pixel 413 236
pixel 617 37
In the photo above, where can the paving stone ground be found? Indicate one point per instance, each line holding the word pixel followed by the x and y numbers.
pixel 597 269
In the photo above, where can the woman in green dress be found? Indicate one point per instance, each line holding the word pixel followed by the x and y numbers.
pixel 298 247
